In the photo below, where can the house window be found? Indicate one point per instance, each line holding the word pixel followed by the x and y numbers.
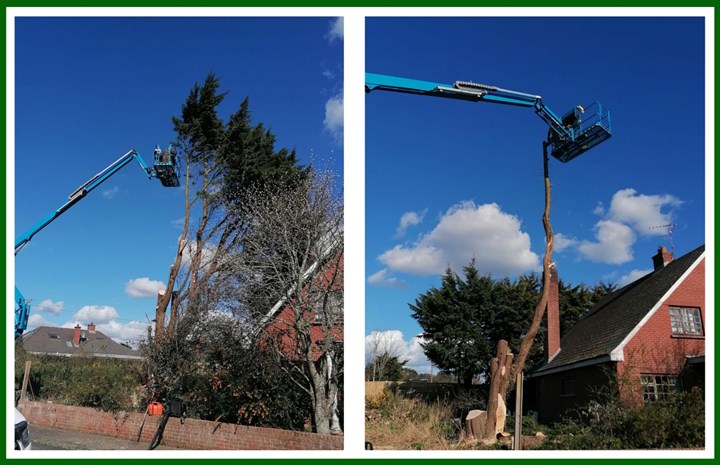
pixel 567 389
pixel 53 336
pixel 658 387
pixel 686 321
pixel 329 309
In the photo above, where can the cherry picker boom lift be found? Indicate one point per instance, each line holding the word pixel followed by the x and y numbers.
pixel 165 169
pixel 575 133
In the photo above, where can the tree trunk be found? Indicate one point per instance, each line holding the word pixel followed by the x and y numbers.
pixel 527 340
pixel 475 424
pixel 499 387
pixel 499 372
pixel 164 300
pixel 160 316
pixel 321 409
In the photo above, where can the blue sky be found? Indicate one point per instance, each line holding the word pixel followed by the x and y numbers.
pixel 447 180
pixel 87 90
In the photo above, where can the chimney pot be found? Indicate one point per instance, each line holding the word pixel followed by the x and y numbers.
pixel 91 328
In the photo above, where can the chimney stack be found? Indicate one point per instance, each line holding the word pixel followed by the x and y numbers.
pixel 76 335
pixel 552 339
pixel 662 258
pixel 91 328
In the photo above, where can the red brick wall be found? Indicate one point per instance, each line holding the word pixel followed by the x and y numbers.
pixel 192 434
pixel 654 350
pixel 552 338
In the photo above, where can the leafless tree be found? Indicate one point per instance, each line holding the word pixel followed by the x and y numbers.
pixel 290 273
pixel 382 347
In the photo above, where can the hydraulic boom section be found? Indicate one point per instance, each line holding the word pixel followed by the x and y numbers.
pixel 165 169
pixel 570 136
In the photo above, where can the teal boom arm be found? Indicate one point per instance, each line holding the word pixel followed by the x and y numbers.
pixel 568 136
pixel 79 193
pixel 165 169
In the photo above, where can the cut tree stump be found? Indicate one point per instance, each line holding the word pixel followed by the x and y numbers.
pixel 475 424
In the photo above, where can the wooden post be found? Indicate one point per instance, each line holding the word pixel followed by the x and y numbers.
pixel 26 379
pixel 518 411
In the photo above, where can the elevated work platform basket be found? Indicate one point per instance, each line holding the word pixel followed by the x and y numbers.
pixel 588 127
pixel 166 168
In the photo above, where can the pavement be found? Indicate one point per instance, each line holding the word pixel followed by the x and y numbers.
pixel 61 439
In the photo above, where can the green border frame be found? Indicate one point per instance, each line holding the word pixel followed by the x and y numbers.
pixel 316 3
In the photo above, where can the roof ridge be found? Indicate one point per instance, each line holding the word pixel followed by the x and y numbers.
pixel 614 317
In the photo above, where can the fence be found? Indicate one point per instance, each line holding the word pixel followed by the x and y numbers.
pixel 188 434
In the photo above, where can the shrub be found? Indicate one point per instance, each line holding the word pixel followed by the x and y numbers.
pixel 107 384
pixel 220 377
pixel 678 421
pixel 675 422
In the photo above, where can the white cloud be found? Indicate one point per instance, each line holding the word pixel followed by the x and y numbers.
pixel 409 219
pixel 416 356
pixel 133 331
pixel 633 276
pixel 328 74
pixel 599 209
pixel 396 345
pixel 110 193
pixel 630 214
pixel 337 30
pixel 48 306
pixel 35 320
pixel 143 287
pixel 465 231
pixel 613 243
pixel 385 279
pixel 207 254
pixel 95 314
pixel 334 117
pixel 643 212
pixel 562 242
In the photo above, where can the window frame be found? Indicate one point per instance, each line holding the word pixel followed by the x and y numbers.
pixel 686 321
pixel 658 387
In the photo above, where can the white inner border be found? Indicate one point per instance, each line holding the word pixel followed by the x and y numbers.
pixel 354 149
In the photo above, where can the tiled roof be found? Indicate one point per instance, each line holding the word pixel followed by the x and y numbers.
pixel 58 341
pixel 605 327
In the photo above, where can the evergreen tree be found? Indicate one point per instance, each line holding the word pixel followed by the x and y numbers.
pixel 455 319
pixel 464 319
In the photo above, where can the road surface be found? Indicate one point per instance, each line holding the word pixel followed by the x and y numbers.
pixel 61 439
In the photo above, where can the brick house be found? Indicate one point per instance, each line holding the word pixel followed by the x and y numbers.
pixel 277 324
pixel 75 342
pixel 314 341
pixel 647 338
